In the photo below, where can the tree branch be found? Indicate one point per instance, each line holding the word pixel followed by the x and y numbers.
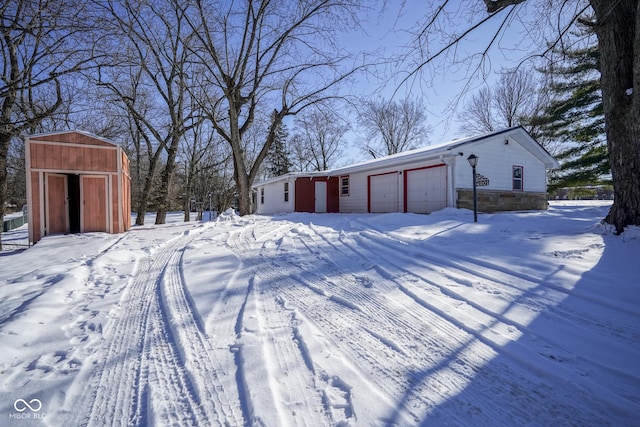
pixel 494 6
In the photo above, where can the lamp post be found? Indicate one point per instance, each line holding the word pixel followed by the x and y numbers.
pixel 473 161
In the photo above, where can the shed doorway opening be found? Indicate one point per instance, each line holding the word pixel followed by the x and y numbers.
pixel 73 190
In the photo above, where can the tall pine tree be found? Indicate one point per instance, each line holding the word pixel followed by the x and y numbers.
pixel 574 120
pixel 278 161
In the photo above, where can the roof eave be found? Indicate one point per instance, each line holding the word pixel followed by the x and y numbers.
pixel 83 132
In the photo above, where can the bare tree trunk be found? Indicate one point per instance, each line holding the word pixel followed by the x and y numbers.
pixel 138 206
pixel 186 204
pixel 244 195
pixel 165 184
pixel 619 42
pixel 4 150
pixel 143 198
pixel 243 184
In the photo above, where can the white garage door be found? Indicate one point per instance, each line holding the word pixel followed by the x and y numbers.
pixel 383 190
pixel 427 189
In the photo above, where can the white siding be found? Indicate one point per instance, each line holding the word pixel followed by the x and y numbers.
pixel 274 197
pixel 495 162
pixel 356 201
pixel 498 154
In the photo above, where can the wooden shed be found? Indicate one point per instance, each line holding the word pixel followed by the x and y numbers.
pixel 76 183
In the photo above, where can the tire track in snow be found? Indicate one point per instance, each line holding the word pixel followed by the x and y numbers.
pixel 338 318
pixel 118 379
pixel 172 394
pixel 468 281
pixel 513 282
pixel 279 388
pixel 276 284
pixel 392 321
pixel 124 382
pixel 151 345
pixel 219 402
pixel 490 327
pixel 461 353
pixel 459 350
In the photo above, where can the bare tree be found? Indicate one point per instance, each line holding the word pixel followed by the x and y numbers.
pixel 514 97
pixel 393 126
pixel 16 174
pixel 477 115
pixel 299 155
pixel 204 158
pixel 617 26
pixel 512 102
pixel 151 80
pixel 40 45
pixel 261 56
pixel 319 138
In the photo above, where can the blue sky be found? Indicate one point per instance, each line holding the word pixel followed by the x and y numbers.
pixel 390 30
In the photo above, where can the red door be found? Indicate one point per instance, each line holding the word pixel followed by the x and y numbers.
pixel 57 220
pixel 94 203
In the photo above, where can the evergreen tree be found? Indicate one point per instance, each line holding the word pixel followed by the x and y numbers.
pixel 278 161
pixel 575 121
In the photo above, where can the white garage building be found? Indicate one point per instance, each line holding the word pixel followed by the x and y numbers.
pixel 510 175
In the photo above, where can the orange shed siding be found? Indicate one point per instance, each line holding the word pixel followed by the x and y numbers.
pixel 56 156
pixel 116 208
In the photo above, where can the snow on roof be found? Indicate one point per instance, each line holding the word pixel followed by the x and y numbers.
pixel 431 152
pixel 290 175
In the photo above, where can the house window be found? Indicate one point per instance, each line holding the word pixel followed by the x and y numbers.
pixel 344 186
pixel 262 196
pixel 286 191
pixel 517 178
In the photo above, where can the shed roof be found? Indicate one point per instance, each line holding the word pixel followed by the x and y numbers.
pixel 72 136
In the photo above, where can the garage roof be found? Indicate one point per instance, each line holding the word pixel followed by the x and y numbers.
pixel 446 149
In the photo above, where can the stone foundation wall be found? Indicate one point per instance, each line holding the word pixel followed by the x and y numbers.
pixel 495 200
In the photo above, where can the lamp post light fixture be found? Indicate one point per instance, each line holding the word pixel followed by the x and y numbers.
pixel 473 161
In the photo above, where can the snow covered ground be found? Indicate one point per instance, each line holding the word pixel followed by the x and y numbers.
pixel 528 318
